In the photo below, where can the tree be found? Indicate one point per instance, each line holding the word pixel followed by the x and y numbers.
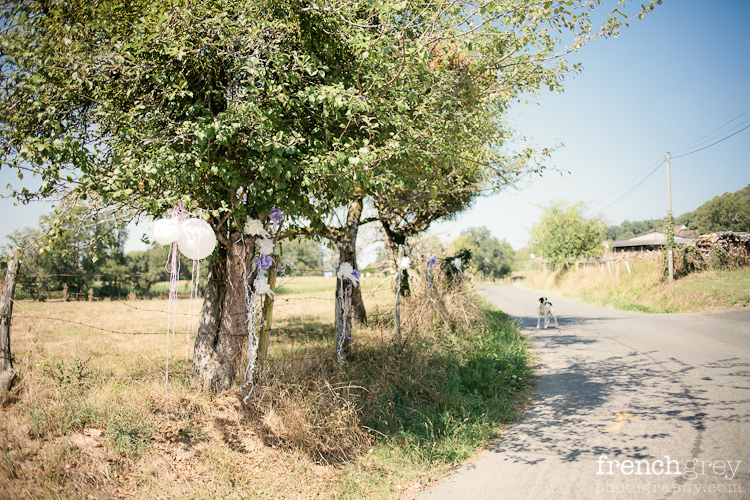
pixel 490 257
pixel 563 235
pixel 148 267
pixel 628 229
pixel 46 268
pixel 72 247
pixel 233 107
pixel 304 257
pixel 728 212
pixel 146 105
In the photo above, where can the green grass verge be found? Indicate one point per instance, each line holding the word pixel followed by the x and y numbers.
pixel 435 402
pixel 644 289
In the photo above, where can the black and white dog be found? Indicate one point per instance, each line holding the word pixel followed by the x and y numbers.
pixel 545 311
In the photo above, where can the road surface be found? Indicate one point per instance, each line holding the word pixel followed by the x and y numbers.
pixel 628 405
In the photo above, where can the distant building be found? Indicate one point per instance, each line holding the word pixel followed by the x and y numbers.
pixel 651 240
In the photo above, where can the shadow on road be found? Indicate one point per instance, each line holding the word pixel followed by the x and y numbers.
pixel 529 322
pixel 573 413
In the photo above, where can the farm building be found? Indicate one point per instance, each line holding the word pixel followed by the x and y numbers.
pixel 651 240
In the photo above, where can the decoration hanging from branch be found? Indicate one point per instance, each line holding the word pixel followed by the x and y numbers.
pixel 166 231
pixel 259 286
pixel 348 273
pixel 196 240
pixel 254 227
pixel 428 271
pixel 404 263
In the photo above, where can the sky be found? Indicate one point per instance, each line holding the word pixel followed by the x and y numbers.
pixel 670 79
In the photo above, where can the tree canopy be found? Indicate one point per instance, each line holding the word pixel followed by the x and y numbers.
pixel 233 107
pixel 490 257
pixel 564 235
pixel 728 212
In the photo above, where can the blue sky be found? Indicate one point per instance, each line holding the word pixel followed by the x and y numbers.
pixel 668 80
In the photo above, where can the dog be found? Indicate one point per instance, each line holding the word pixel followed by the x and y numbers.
pixel 545 311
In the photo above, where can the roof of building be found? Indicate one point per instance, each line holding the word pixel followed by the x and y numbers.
pixel 651 238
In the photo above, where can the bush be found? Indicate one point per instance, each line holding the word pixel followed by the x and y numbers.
pixel 687 259
pixel 719 258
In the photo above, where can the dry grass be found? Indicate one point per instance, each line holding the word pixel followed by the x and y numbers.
pixel 643 288
pixel 90 417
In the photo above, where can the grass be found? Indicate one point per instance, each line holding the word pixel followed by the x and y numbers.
pixel 643 289
pixel 90 417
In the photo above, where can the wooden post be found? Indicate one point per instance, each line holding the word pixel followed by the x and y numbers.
pixel 670 235
pixel 265 329
pixel 397 306
pixel 7 374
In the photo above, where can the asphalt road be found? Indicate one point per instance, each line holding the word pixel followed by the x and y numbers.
pixel 628 405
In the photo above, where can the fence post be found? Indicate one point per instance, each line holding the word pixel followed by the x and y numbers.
pixel 7 374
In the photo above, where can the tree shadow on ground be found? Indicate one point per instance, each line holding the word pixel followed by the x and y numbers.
pixel 581 408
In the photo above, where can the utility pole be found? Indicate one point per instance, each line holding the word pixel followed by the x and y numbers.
pixel 670 222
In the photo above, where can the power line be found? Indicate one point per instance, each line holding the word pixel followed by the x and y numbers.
pixel 634 187
pixel 648 171
pixel 713 144
pixel 686 146
pixel 693 143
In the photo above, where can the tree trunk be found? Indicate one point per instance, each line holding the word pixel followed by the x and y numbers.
pixel 222 333
pixel 346 241
pixel 395 243
pixel 7 373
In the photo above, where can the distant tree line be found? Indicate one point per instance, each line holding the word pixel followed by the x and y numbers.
pixel 89 254
pixel 728 212
pixel 488 257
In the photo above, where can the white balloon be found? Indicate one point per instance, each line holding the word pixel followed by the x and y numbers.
pixel 198 239
pixel 166 231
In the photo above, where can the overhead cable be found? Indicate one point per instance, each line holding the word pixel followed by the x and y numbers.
pixel 686 146
pixel 634 187
pixel 712 144
pixel 648 171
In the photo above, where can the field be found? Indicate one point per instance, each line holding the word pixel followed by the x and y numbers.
pixel 95 416
pixel 643 288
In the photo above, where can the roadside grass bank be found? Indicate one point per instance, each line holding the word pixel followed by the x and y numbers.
pixel 644 289
pixel 91 418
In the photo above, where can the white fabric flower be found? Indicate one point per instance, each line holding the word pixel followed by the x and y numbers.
pixel 456 263
pixel 346 271
pixel 262 287
pixel 254 227
pixel 265 246
pixel 405 263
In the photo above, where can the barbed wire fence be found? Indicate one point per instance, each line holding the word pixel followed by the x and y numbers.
pixel 41 321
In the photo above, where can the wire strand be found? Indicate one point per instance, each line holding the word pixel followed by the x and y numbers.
pixel 713 144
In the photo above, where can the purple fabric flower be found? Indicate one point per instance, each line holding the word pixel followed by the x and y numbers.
pixel 276 214
pixel 356 273
pixel 266 261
